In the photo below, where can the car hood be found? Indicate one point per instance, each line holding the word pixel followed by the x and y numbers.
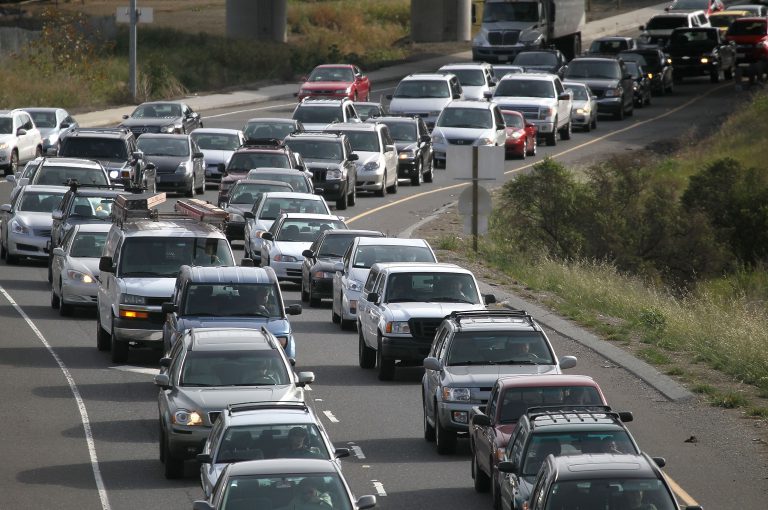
pixel 406 146
pixel 278 326
pixel 215 156
pixel 368 157
pixel 35 220
pixel 405 311
pixel 597 83
pixel 326 85
pixel 486 375
pixel 166 163
pixel 454 132
pixel 359 274
pixel 112 164
pixel 7 138
pixel 89 265
pixel 153 122
pixel 432 105
pixel 217 398
pixel 509 102
pixel 293 248
pixel 580 103
pixel 321 163
pixel 149 286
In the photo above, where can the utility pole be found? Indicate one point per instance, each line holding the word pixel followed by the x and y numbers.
pixel 133 13
pixel 475 192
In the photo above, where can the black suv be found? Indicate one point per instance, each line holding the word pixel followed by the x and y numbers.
pixel 609 80
pixel 115 149
pixel 330 158
pixel 658 66
pixel 551 430
pixel 542 61
pixel 603 481
pixel 702 51
pixel 414 147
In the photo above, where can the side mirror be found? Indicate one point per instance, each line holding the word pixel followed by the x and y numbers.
pixel 198 155
pixel 165 362
pixel 425 138
pixel 163 381
pixel 267 236
pixel 567 362
pixel 389 148
pixel 305 378
pixel 489 299
pixel 432 363
pixel 247 262
pixel 626 417
pixel 21 131
pixel 642 28
pixel 660 461
pixel 169 307
pixel 5 208
pixel 202 505
pixel 338 267
pixel 307 254
pixel 137 155
pixel 150 166
pixel 58 252
pixel 565 96
pixel 57 215
pixel 353 157
pixel 488 94
pixel 365 502
pixel 106 265
pixel 507 466
pixel 10 178
pixel 125 115
pixel 248 215
pixel 481 420
pixel 373 297
pixel 204 458
pixel 456 95
pixel 64 125
pixel 319 191
pixel 293 310
pixel 340 453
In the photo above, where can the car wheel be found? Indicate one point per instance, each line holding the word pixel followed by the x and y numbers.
pixel 10 259
pixel 714 76
pixel 3 250
pixel 648 99
pixel 393 189
pixel 631 110
pixel 728 73
pixel 313 301
pixel 366 356
pixel 386 365
pixel 65 310
pixel 445 439
pixel 55 301
pixel 551 138
pixel 191 191
pixel 50 269
pixel 335 317
pixel 587 127
pixel 119 350
pixel 201 189
pixel 482 481
pixel 419 177
pixel 174 467
pixel 619 115
pixel 429 175
pixel 347 325
pixel 13 165
pixel 594 122
pixel 383 191
pixel 304 293
pixel 429 430
pixel 532 152
pixel 525 150
pixel 341 203
pixel 352 197
pixel 565 133
pixel 103 339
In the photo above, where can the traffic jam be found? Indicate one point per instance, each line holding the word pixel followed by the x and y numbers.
pixel 204 283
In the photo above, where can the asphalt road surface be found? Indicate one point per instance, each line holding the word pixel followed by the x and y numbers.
pixel 80 433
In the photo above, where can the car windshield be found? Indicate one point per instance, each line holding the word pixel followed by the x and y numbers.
pixel 364 141
pixel 314 114
pixel 297 182
pixel 516 401
pixel 611 494
pixel 535 58
pixel 751 27
pixel 608 46
pixel 249 192
pixel 275 206
pixel 233 300
pixel 365 111
pixel 702 39
pixel 690 5
pixel 265 130
pixel 468 77
pixel 317 149
pixel 368 255
pixel 94 148
pixel 579 93
pixel 402 131
pixel 490 348
pixel 242 162
pixel 53 175
pixel 163 256
pixel 233 368
pixel 422 88
pixel 272 441
pixel 332 74
pixel 216 142
pixel 92 207
pixel 525 88
pixel 300 491
pixel 513 121
pixel 471 118
pixel 163 146
pixel 517 11
pixel 306 231
pixel 632 69
pixel 577 442
pixel 335 245
pixel 44 119
pixel 39 201
pixel 88 244
pixel 605 70
pixel 666 22
pixel 6 125
pixel 157 110
pixel 431 287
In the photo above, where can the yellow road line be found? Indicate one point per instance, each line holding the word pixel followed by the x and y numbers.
pixel 682 495
pixel 561 153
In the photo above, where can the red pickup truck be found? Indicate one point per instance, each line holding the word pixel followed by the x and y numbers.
pixel 750 36
pixel 511 396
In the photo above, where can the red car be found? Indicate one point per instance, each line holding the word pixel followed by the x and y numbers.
pixel 493 424
pixel 521 135
pixel 750 35
pixel 336 81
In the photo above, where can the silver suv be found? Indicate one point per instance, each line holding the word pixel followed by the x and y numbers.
pixel 318 114
pixel 476 78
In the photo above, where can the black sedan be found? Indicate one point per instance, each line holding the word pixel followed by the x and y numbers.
pixel 415 157
pixel 656 64
pixel 642 85
pixel 321 259
pixel 162 117
pixel 179 163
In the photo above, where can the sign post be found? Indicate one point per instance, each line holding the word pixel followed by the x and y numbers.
pixel 133 15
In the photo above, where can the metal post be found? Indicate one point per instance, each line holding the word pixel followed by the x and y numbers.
pixel 132 48
pixel 475 198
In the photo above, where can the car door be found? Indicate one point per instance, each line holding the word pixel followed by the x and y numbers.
pixel 339 278
pixel 432 377
pixel 266 245
pixel 509 481
pixel 197 162
pixel 390 153
pixel 362 84
pixel 563 105
pixel 424 142
pixel 363 305
pixel 501 126
pixel 377 310
pixel 108 286
pixel 58 264
pixel 58 218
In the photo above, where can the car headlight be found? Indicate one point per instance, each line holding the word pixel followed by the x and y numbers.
pixel 705 60
pixel 516 135
pixel 114 174
pixel 407 155
pixel 305 92
pixel 79 277
pixel 3 145
pixel 650 76
pixel 188 418
pixel 133 299
pixel 613 92
pixel 456 394
pixel 323 274
pixel 635 86
pixel 399 328
pixel 182 168
pixel 333 174
pixel 355 285
pixel 485 141
pixel 283 341
pixel 285 258
pixel 545 112
pixel 371 166
pixel 170 128
pixel 18 227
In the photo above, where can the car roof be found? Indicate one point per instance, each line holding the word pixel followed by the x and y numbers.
pixel 291 194
pixel 282 184
pixel 93 227
pixel 235 274
pixel 73 162
pixel 280 120
pixel 604 465
pixel 469 103
pixel 596 59
pixel 428 76
pixel 353 126
pixel 492 321
pixel 521 381
pixel 466 65
pixel 47 188
pixel 227 339
pixel 310 216
pixel 321 101
pixel 390 241
pixel 546 421
pixel 574 84
pixel 42 109
pixel 282 466
pixel 613 38
pixel 215 131
pixel 299 415
pixel 349 66
pixel 318 135
pixel 529 76
pixel 166 136
pixel 341 231
pixel 430 267
pixel 165 227
pixel 161 102
pixel 116 132
pixel 395 118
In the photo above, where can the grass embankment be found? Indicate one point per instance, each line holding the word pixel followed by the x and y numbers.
pixel 73 66
pixel 685 320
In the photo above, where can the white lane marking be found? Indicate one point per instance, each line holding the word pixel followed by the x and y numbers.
pixel 379 488
pixel 308 387
pixel 357 451
pixel 136 370
pixel 78 399
pixel 318 400
pixel 331 417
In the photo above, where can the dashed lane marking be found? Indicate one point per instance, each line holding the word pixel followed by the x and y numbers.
pixel 136 370
pixel 379 487
pixel 331 417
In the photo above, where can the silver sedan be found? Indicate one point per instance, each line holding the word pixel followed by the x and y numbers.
pixel 26 222
pixel 584 112
pixel 76 267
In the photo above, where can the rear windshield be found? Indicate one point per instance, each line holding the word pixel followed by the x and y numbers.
pixel 748 27
pixel 163 146
pixel 247 193
pixel 609 70
pixel 470 118
pixel 579 93
pixel 233 300
pixel 516 401
pixel 59 175
pixel 94 148
pixel 216 141
pixel 611 494
pixel 431 287
pixel 44 119
pixel 234 368
pixel 704 39
pixel 263 130
pixel 535 58
pixel 317 149
pixel 335 245
pixel 366 256
pixel 244 161
pixel 306 231
pixel 297 182
pixel 275 206
pixel 364 141
pixel 92 207
pixel 574 443
pixel 314 114
pixel 508 348
pixel 272 441
pixel 525 88
pixel 469 77
pixel 402 131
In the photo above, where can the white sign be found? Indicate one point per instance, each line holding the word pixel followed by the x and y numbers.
pixel 484 207
pixel 490 162
pixel 143 15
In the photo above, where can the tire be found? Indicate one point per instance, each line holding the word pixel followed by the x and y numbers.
pixel 392 189
pixel 482 482
pixel 594 123
pixel 304 293
pixel 495 495
pixel 347 325
pixel 429 430
pixel 161 444
pixel 648 99
pixel 430 174
pixel 728 73
pixel 174 467
pixel 565 133
pixel 535 144
pixel 714 77
pixel 525 151
pixel 620 114
pixel 671 88
pixel 190 193
pixel 13 165
pixel 119 350
pixel 383 191
pixel 201 188
pixel 55 300
pixel 366 356
pixel 313 301
pixel 551 138
pixel 419 178
pixel 386 366
pixel 3 250
pixel 335 317
pixel 65 310
pixel 352 198
pixel 445 439
pixel 11 260
pixel 631 110
pixel 341 204
pixel 103 339
pixel 50 269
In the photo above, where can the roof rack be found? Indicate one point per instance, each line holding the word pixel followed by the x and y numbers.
pixel 258 406
pixel 74 185
pixel 136 206
pixel 569 413
pixel 113 130
pixel 202 211
pixel 472 314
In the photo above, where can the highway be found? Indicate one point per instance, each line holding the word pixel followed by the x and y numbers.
pixel 83 434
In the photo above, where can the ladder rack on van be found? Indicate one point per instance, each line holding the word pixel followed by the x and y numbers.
pixel 202 211
pixel 136 206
